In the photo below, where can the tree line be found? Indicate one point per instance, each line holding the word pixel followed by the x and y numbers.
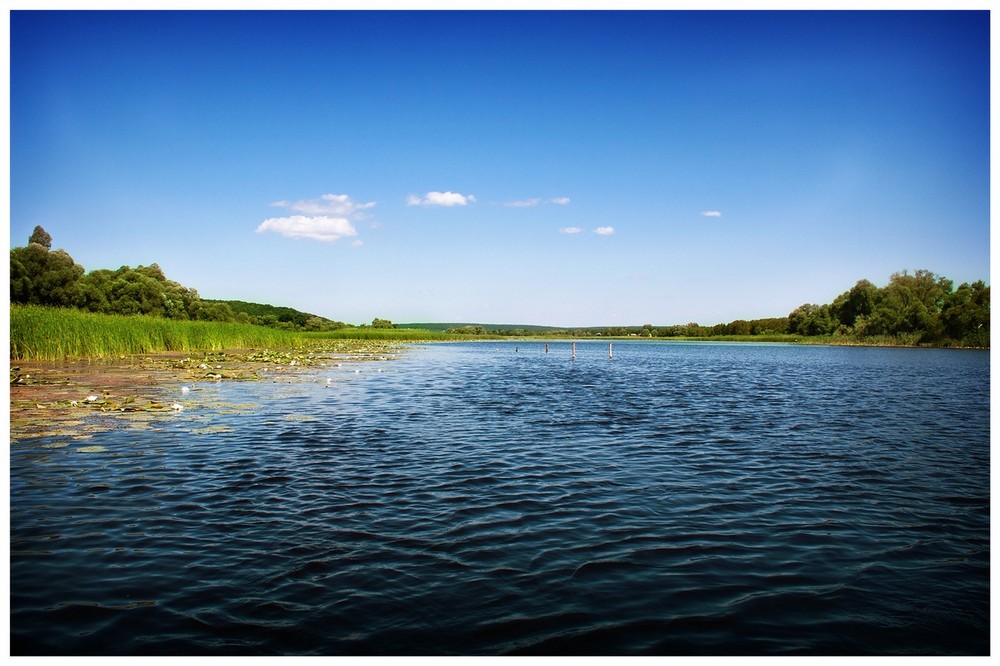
pixel 918 308
pixel 40 275
pixel 913 309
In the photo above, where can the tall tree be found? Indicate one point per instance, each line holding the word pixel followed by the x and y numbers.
pixel 41 277
pixel 41 237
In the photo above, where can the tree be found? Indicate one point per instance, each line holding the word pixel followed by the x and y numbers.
pixel 966 314
pixel 859 301
pixel 910 304
pixel 41 237
pixel 381 323
pixel 41 277
pixel 810 319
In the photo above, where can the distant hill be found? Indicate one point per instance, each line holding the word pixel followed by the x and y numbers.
pixel 489 327
pixel 262 313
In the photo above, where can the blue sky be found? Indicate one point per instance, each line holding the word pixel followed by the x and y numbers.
pixel 565 168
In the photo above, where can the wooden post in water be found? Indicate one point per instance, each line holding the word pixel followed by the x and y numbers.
pixel 546 348
pixel 574 350
pixel 609 350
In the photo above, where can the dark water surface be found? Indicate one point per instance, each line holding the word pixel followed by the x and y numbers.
pixel 472 499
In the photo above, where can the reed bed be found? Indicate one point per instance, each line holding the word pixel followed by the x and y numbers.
pixel 55 334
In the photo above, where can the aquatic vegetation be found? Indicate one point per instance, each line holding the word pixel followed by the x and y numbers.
pixel 53 334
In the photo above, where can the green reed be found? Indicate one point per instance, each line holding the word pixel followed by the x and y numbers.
pixel 49 334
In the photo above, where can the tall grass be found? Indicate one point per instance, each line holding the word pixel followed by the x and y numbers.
pixel 51 334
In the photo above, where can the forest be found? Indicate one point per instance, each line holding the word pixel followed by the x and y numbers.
pixel 918 308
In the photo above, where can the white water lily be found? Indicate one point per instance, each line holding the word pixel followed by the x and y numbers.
pixel 91 398
pixel 185 389
pixel 177 407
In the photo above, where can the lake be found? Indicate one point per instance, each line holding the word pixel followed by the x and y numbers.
pixel 491 498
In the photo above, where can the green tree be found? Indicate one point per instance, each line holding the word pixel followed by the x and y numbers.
pixel 910 304
pixel 381 323
pixel 41 237
pixel 39 276
pixel 738 327
pixel 965 316
pixel 859 301
pixel 810 319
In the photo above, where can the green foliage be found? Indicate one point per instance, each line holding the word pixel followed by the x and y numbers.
pixel 41 277
pixel 468 329
pixel 811 319
pixel 387 334
pixel 41 237
pixel 918 308
pixel 145 290
pixel 277 317
pixel 42 333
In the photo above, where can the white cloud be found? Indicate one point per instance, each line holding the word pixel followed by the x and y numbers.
pixel 524 204
pixel 320 228
pixel 570 230
pixel 604 231
pixel 440 199
pixel 534 201
pixel 711 213
pixel 339 205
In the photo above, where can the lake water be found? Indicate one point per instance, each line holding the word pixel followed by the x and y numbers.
pixel 492 498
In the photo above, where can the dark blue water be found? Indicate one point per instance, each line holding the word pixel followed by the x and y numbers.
pixel 471 499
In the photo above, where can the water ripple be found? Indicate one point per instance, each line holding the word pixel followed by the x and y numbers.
pixel 680 499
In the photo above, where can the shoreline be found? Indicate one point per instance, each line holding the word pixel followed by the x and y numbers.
pixel 79 397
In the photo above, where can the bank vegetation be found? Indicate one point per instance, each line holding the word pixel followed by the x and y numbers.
pixel 59 311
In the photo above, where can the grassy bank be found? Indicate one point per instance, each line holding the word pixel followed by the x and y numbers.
pixel 52 334
pixel 393 335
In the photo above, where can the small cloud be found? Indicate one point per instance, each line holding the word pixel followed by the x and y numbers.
pixel 570 230
pixel 339 205
pixel 440 199
pixel 319 228
pixel 604 231
pixel 534 201
pixel 357 243
pixel 523 204
pixel 711 213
